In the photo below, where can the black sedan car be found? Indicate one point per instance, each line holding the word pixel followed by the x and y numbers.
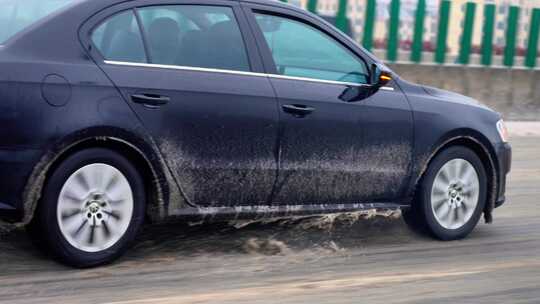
pixel 117 112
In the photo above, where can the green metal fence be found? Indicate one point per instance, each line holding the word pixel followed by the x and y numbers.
pixel 471 16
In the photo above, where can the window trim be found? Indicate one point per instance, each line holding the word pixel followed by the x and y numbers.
pixel 143 35
pixel 234 72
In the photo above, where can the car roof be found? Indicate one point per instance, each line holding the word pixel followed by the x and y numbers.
pixel 261 2
pixel 272 3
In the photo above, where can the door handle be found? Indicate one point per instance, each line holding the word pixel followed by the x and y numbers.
pixel 151 100
pixel 297 110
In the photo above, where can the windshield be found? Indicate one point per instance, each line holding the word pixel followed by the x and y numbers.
pixel 17 15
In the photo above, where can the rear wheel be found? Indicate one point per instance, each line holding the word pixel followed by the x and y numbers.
pixel 92 208
pixel 451 195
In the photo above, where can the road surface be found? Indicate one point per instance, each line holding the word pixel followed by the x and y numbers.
pixel 372 260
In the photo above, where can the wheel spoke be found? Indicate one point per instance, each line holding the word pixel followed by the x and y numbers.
pixel 457 216
pixel 92 232
pixel 116 203
pixel 98 173
pixel 72 224
pixel 464 206
pixel 440 187
pixel 442 211
pixel 444 175
pixel 465 176
pixel 68 214
pixel 468 190
pixel 112 214
pixel 81 227
pixel 439 202
pixel 106 229
pixel 75 198
pixel 119 191
pixel 453 168
pixel 112 179
pixel 82 181
pixel 100 238
pixel 464 214
pixel 460 212
pixel 449 216
pixel 471 202
pixel 461 168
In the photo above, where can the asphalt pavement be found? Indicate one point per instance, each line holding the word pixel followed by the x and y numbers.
pixel 363 258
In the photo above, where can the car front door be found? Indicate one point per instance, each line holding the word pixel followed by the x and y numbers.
pixel 331 150
pixel 189 73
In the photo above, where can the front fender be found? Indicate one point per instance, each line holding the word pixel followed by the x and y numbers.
pixel 473 140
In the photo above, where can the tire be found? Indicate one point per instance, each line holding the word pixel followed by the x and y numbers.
pixel 451 195
pixel 92 207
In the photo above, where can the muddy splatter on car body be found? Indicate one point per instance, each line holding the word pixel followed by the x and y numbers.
pixel 240 138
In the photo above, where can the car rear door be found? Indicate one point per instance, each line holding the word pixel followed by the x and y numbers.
pixel 331 150
pixel 189 72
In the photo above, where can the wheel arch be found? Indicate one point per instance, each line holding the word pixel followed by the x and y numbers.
pixel 479 144
pixel 141 152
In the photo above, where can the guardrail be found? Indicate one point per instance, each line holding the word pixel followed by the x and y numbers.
pixel 444 15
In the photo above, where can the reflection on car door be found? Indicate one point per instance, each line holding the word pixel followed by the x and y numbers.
pixel 332 151
pixel 193 86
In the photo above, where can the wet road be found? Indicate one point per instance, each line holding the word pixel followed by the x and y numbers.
pixel 325 260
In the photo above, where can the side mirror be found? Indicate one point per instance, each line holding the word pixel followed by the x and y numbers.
pixel 380 77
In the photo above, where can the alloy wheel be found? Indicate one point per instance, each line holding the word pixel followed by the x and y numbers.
pixel 95 207
pixel 455 193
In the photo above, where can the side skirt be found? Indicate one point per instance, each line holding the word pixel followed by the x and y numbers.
pixel 262 212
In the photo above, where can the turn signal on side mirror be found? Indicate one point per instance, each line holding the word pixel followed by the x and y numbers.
pixel 385 77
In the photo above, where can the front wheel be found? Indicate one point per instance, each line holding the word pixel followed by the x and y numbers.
pixel 92 208
pixel 451 195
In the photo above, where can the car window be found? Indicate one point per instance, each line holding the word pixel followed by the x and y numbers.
pixel 17 15
pixel 194 36
pixel 301 50
pixel 119 39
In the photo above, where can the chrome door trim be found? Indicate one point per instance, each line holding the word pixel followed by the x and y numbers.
pixel 317 80
pixel 224 71
pixel 183 68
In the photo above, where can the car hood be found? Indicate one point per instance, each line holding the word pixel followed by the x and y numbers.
pixel 453 97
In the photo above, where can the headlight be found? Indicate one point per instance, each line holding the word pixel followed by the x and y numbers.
pixel 503 131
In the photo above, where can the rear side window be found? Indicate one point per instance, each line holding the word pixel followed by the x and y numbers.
pixel 194 36
pixel 119 39
pixel 17 15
